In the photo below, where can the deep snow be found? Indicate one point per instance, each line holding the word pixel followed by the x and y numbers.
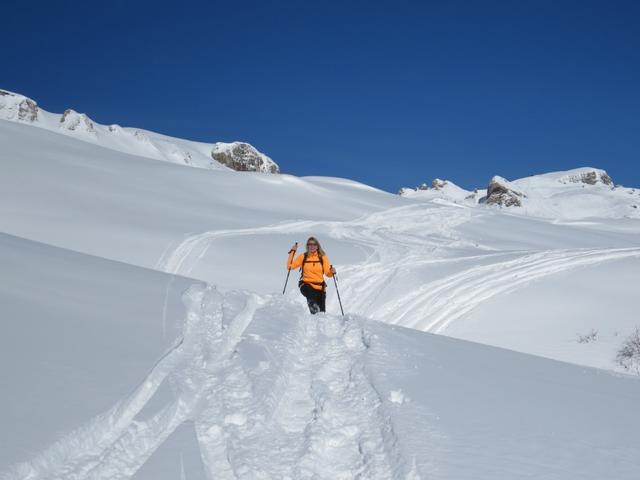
pixel 111 371
pixel 261 389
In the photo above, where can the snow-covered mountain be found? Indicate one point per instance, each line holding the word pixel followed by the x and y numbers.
pixel 135 141
pixel 147 337
pixel 573 194
pixel 444 190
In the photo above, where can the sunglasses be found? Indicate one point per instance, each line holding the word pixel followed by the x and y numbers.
pixel 311 244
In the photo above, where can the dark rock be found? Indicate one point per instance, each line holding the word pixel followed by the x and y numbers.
pixel 500 192
pixel 18 107
pixel 438 184
pixel 243 157
pixel 592 177
pixel 74 121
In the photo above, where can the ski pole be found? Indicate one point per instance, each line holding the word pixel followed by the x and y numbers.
pixel 289 268
pixel 335 281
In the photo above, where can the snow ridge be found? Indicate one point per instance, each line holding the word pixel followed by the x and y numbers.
pixel 238 156
pixel 573 194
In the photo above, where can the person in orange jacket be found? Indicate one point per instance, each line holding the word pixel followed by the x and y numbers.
pixel 314 265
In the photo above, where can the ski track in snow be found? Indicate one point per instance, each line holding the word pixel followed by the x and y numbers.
pixel 315 412
pixel 320 418
pixel 318 415
pixel 115 445
pixel 434 306
pixel 409 238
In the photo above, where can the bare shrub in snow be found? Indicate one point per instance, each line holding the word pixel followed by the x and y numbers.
pixel 592 336
pixel 629 354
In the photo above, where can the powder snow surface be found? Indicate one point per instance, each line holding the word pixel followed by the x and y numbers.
pixel 121 359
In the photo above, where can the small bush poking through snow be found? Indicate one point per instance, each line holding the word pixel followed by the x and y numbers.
pixel 629 354
pixel 592 336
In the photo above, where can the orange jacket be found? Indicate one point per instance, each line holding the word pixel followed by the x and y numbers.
pixel 314 270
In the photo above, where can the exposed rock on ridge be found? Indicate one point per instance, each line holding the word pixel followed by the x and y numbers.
pixel 592 177
pixel 17 107
pixel 74 121
pixel 237 155
pixel 501 192
pixel 243 157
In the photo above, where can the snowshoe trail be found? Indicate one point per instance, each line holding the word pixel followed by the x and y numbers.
pixel 348 435
pixel 313 413
pixel 317 414
pixel 116 444
pixel 406 240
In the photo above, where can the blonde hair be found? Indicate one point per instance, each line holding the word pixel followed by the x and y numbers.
pixel 320 250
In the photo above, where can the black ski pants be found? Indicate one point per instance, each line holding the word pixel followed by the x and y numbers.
pixel 315 298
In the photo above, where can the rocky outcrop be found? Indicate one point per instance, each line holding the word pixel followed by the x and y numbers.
pixel 438 184
pixel 440 190
pixel 501 192
pixel 474 197
pixel 76 122
pixel 17 107
pixel 243 157
pixel 237 155
pixel 142 137
pixel 589 177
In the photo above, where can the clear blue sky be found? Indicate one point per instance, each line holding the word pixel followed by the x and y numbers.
pixel 388 93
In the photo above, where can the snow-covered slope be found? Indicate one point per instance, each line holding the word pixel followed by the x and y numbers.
pixel 579 193
pixel 428 265
pixel 568 195
pixel 442 190
pixel 128 381
pixel 75 195
pixel 18 108
pixel 113 372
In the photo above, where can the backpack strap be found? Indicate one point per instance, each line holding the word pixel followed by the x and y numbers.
pixel 304 260
pixel 324 284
